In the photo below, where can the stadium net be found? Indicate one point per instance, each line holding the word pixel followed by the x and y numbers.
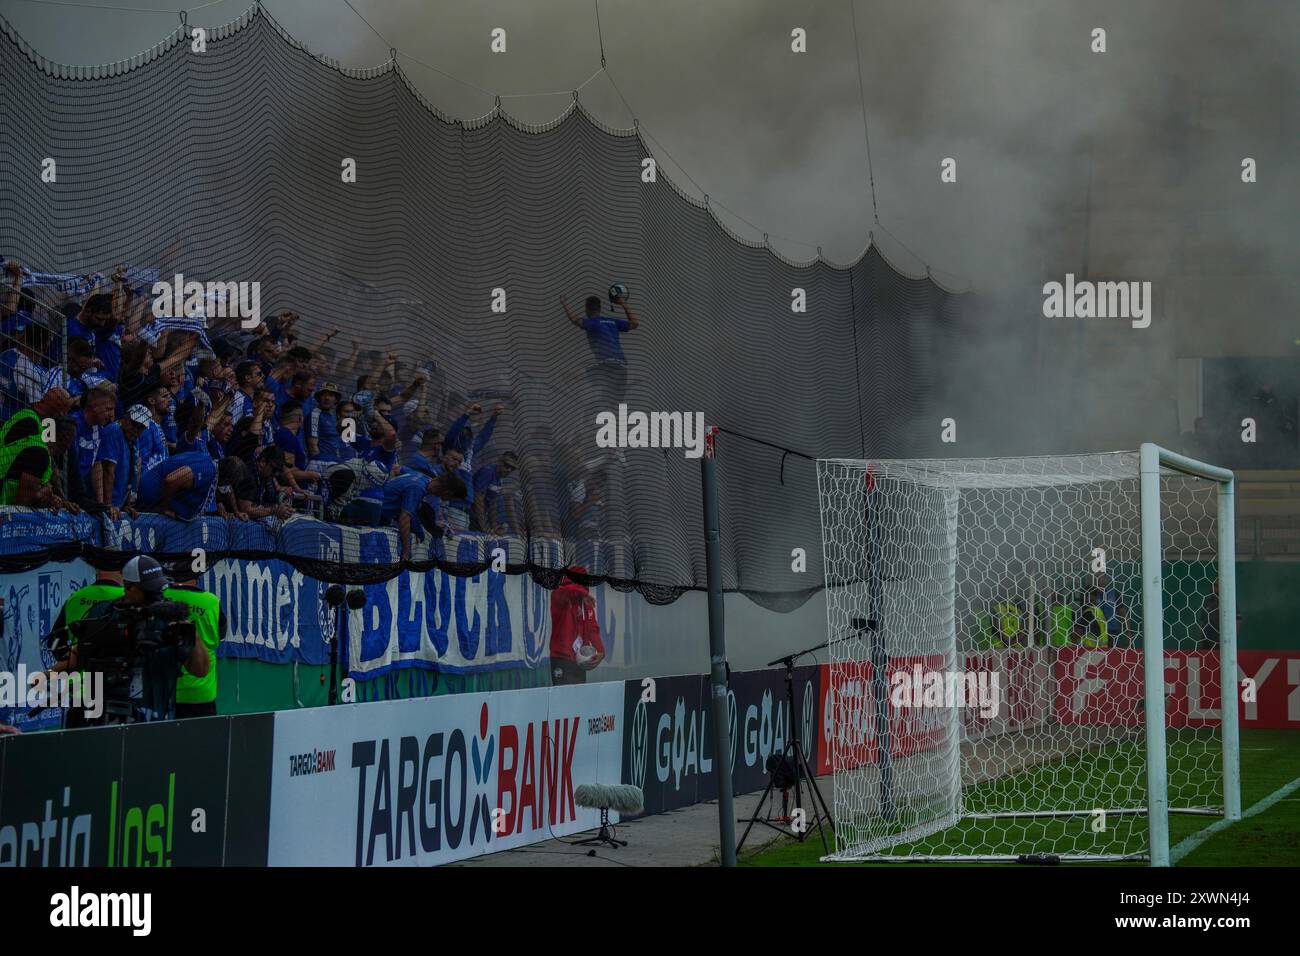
pixel 990 621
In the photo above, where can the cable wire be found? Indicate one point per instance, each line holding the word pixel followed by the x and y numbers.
pixel 862 98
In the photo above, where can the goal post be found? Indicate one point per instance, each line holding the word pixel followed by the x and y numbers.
pixel 1153 460
pixel 1026 658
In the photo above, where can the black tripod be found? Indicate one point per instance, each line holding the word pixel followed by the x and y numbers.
pixel 605 837
pixel 787 768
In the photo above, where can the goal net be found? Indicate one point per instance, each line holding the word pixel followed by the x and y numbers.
pixel 990 624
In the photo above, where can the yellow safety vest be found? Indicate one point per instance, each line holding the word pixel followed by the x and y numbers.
pixel 1008 621
pixel 1102 638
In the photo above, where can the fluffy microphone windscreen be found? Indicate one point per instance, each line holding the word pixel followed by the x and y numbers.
pixel 621 797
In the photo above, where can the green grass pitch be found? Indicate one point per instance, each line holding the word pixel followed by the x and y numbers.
pixel 1269 760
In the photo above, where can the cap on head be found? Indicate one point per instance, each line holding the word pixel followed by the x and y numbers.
pixel 145 573
pixel 141 416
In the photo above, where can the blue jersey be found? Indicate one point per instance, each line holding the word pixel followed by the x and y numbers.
pixel 107 344
pixel 240 407
pixel 602 335
pixel 169 420
pixel 323 427
pixel 404 493
pixel 88 438
pixel 387 459
pixel 113 447
pixel 190 502
pixel 418 462
pixel 152 446
pixel 294 449
pixel 488 485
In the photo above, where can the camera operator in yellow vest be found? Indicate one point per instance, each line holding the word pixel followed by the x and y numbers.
pixel 107 586
pixel 1000 626
pixel 196 696
pixel 1091 627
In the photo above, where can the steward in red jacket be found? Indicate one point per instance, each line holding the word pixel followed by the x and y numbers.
pixel 576 646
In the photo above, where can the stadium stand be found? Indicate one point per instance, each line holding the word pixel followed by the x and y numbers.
pixel 440 323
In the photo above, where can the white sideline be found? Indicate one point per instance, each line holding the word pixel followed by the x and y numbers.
pixel 1200 836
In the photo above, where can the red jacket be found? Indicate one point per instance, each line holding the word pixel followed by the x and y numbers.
pixel 573 623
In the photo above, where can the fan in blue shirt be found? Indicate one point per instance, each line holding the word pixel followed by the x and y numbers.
pixel 403 496
pixel 152 445
pixel 323 440
pixel 603 331
pixel 487 492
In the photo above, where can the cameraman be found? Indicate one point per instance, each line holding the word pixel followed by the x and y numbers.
pixel 143 583
pixel 107 586
pixel 196 694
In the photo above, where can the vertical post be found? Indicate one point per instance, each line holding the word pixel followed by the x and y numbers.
pixel 1228 649
pixel 717 652
pixel 1153 657
pixel 877 651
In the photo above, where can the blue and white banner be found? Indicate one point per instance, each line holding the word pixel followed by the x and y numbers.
pixel 276 613
pixel 32 600
pixel 78 285
pixel 22 530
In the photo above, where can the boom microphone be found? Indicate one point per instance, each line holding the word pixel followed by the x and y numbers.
pixel 334 595
pixel 356 599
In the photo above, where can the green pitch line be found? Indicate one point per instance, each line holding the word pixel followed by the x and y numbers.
pixel 1269 835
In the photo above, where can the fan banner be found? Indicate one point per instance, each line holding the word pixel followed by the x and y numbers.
pixel 32 600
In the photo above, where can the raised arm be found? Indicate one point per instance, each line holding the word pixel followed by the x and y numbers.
pixel 632 321
pixel 573 316
pixel 485 433
pixel 177 357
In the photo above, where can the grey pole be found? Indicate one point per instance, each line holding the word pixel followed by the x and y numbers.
pixel 717 653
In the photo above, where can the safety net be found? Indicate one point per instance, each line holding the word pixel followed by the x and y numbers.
pixel 358 206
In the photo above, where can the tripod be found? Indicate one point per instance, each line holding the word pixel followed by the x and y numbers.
pixel 791 763
pixel 606 835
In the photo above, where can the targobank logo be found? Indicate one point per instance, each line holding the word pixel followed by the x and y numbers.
pixel 423 794
pixel 318 761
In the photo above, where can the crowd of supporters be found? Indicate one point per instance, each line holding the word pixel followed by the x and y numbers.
pixel 200 416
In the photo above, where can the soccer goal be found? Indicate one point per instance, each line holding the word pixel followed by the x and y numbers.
pixel 993 624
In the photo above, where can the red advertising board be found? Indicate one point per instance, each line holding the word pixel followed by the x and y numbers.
pixel 1069 686
pixel 848 716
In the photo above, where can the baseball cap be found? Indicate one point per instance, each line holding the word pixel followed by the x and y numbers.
pixel 329 387
pixel 145 572
pixel 140 415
